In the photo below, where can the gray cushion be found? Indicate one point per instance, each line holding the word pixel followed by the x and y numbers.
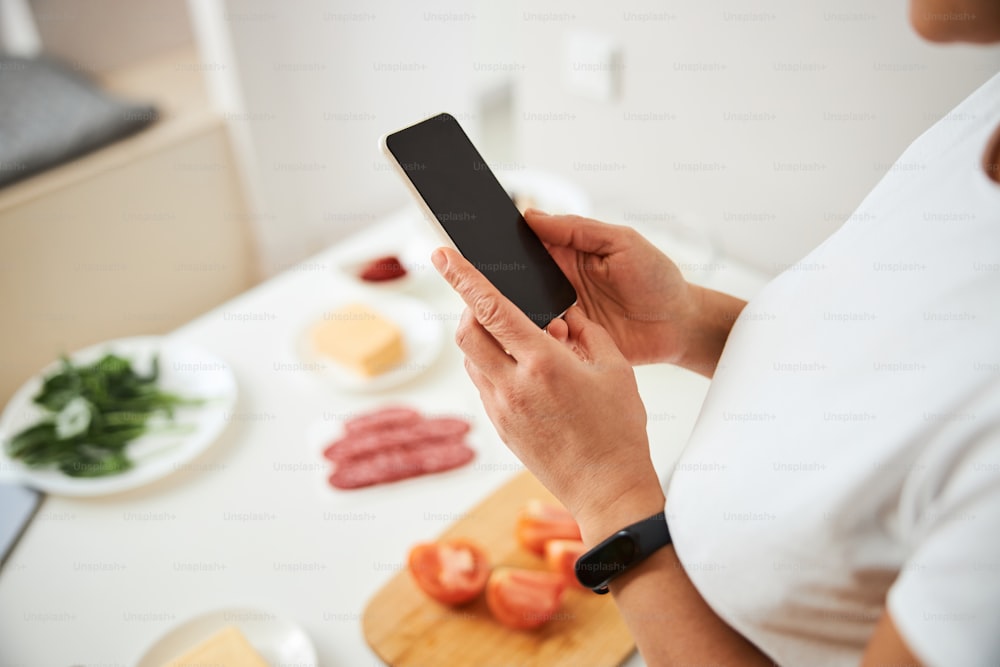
pixel 50 114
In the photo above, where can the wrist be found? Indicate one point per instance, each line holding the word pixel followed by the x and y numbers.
pixel 706 328
pixel 609 513
pixel 674 340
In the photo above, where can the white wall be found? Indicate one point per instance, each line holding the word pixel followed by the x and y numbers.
pixel 835 90
pixel 772 119
pixel 320 82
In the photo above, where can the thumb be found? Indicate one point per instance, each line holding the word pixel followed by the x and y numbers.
pixel 573 231
pixel 590 339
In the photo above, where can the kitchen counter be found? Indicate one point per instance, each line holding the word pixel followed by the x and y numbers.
pixel 252 521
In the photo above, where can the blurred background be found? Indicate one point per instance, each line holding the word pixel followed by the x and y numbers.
pixel 755 127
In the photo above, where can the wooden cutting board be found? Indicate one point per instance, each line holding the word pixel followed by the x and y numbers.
pixel 408 629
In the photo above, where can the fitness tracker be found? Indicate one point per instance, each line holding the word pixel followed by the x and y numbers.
pixel 622 551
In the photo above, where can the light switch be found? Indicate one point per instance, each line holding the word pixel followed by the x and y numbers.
pixel 592 66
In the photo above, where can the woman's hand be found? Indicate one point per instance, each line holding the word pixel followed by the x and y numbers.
pixel 636 293
pixel 570 409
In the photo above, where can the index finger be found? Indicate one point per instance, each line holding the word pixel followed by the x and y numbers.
pixel 517 334
pixel 574 231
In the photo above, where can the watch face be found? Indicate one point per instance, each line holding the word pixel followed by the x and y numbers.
pixel 606 560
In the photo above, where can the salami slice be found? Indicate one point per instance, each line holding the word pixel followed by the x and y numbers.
pixel 380 420
pixel 424 432
pixel 442 427
pixel 445 457
pixel 353 446
pixel 400 463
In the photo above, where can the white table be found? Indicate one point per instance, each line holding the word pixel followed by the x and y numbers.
pixel 251 522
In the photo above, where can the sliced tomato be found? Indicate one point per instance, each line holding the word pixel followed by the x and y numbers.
pixel 523 599
pixel 540 522
pixel 452 572
pixel 561 556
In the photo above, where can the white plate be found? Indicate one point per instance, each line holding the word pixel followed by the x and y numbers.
pixel 278 640
pixel 185 369
pixel 423 336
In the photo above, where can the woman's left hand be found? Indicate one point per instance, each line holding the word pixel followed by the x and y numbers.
pixel 569 408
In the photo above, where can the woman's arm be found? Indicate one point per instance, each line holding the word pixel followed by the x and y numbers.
pixel 673 625
pixel 670 621
pixel 572 413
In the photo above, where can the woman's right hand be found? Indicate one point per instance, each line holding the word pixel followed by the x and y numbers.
pixel 633 290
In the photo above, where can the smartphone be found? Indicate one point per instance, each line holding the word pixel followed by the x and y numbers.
pixel 458 190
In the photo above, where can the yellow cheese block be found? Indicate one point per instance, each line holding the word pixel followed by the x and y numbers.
pixel 357 337
pixel 226 648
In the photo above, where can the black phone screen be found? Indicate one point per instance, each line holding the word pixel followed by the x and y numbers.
pixel 480 217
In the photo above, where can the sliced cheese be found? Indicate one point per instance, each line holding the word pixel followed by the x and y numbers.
pixel 226 648
pixel 360 339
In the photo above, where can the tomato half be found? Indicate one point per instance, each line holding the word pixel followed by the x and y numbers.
pixel 540 522
pixel 452 572
pixel 561 556
pixel 523 599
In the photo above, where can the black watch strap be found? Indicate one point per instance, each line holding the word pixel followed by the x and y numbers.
pixel 621 552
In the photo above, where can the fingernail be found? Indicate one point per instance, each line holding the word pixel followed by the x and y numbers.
pixel 439 260
pixel 534 211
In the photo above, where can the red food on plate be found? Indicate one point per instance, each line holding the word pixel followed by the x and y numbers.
pixel 409 435
pixel 523 599
pixel 540 522
pixel 400 463
pixel 382 269
pixel 394 443
pixel 561 556
pixel 452 572
pixel 379 420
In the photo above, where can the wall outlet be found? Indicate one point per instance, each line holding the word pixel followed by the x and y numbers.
pixel 592 66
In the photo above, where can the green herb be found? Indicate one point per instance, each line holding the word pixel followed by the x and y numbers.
pixel 93 413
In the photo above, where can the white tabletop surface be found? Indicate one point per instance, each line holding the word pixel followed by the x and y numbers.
pixel 252 522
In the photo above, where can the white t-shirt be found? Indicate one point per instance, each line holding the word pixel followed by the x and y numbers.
pixel 847 456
